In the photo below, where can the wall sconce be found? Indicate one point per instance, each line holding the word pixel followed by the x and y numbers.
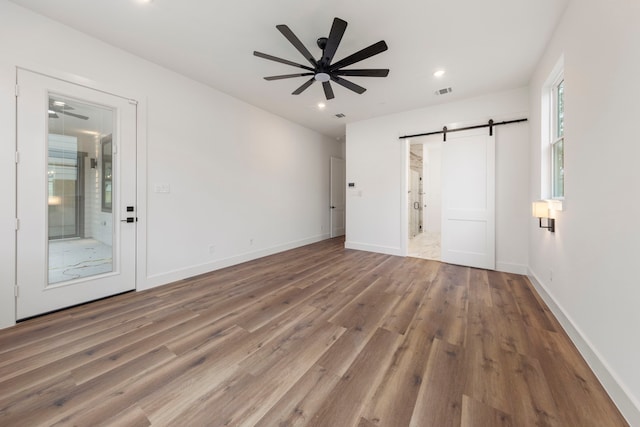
pixel 540 209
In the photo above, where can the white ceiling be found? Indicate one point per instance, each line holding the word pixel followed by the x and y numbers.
pixel 484 46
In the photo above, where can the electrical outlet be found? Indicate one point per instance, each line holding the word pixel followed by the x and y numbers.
pixel 212 249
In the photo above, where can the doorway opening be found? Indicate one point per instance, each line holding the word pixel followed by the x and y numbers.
pixel 337 197
pixel 425 201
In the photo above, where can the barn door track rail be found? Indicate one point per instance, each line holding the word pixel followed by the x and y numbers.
pixel 490 124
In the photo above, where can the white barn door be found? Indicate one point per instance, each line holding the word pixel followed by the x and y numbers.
pixel 468 199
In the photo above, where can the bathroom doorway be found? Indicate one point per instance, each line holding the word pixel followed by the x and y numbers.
pixel 425 203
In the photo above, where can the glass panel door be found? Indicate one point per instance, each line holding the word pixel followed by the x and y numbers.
pixel 76 194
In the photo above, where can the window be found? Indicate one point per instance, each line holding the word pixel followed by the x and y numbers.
pixel 557 139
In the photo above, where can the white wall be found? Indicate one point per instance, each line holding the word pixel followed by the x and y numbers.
pixel 376 162
pixel 235 172
pixel 587 269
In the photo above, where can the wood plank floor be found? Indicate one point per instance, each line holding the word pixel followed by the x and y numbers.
pixel 316 336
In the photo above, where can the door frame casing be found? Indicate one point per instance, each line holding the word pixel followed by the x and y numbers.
pixel 404 196
pixel 8 207
pixel 8 73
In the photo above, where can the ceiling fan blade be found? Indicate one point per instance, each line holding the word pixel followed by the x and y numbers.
pixel 361 55
pixel 304 86
pixel 282 61
pixel 349 85
pixel 287 76
pixel 373 72
pixel 328 90
pixel 78 116
pixel 335 36
pixel 295 41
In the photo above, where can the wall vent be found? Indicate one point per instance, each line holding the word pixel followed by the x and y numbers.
pixel 340 115
pixel 444 91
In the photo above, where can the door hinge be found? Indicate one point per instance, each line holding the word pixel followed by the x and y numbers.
pixel 17 157
pixel 17 224
pixel 16 291
pixel 17 90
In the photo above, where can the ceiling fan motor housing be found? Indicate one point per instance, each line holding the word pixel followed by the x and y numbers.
pixel 322 42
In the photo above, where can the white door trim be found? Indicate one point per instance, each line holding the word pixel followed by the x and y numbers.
pixel 8 207
pixel 404 197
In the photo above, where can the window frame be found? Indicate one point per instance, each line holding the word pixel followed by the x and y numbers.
pixel 557 137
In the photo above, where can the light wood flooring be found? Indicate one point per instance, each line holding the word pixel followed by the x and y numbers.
pixel 316 336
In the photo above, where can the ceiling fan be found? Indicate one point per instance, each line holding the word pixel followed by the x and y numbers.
pixel 61 107
pixel 322 70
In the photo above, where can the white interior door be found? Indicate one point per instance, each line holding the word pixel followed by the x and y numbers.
pixel 468 199
pixel 337 197
pixel 75 188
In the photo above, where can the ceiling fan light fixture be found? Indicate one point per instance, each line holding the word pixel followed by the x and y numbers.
pixel 321 105
pixel 322 77
pixel 324 70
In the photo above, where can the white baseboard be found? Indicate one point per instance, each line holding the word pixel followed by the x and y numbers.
pixel 373 248
pixel 184 273
pixel 619 393
pixel 506 267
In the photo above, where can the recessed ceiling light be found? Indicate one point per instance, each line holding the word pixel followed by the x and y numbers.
pixel 321 105
pixel 439 73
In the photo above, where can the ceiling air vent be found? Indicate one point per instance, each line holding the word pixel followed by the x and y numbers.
pixel 444 91
pixel 340 115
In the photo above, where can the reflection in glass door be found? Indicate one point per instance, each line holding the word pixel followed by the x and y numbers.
pixel 79 182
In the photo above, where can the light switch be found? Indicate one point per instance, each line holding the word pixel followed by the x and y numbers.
pixel 162 188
